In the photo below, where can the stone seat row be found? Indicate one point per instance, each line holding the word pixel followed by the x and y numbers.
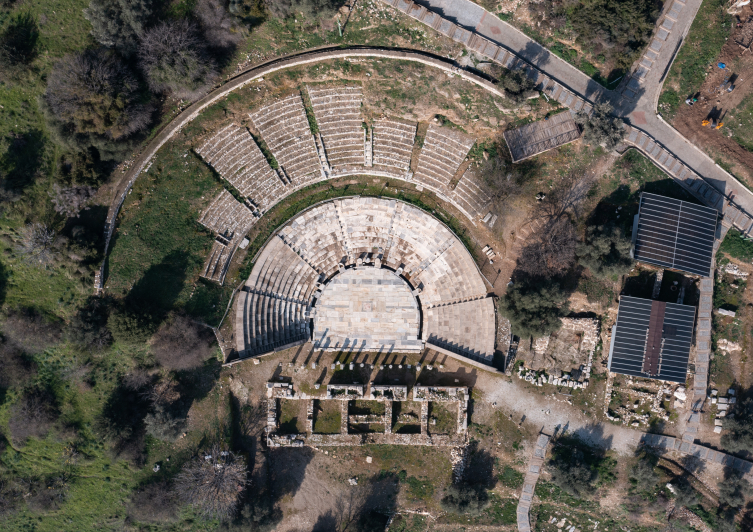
pixel 272 322
pixel 443 152
pixel 465 328
pixel 449 278
pixel 283 273
pixel 251 176
pixel 338 116
pixel 284 127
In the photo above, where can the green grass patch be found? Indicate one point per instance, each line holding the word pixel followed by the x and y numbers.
pixel 327 417
pixel 511 478
pixel 442 420
pixel 419 488
pixel 711 27
pixel 737 246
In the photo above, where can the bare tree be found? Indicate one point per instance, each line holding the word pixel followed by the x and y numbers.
pixel 118 23
pixel 94 93
pixel 221 29
pixel 36 245
pixel 552 252
pixel 175 60
pixel 212 482
pixel 72 200
pixel 181 343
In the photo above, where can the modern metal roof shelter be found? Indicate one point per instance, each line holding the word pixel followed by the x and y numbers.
pixel 652 339
pixel 675 234
pixel 537 137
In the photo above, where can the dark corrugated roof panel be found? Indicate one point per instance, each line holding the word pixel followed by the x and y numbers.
pixel 675 234
pixel 635 329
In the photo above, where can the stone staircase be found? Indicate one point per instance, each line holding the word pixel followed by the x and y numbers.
pixel 529 483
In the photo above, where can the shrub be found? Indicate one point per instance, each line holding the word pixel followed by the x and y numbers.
pixel 736 246
pixel 517 85
pixel 15 367
pixel 130 327
pixel 20 39
pixel 601 128
pixel 465 499
pixel 32 416
pixel 182 343
pixel 738 434
pixel 571 472
pixel 534 308
pixel 175 60
pixel 88 327
pixel 153 503
pixel 685 493
pixel 212 482
pixel 605 252
pixel 119 23
pixel 310 8
pixel 29 331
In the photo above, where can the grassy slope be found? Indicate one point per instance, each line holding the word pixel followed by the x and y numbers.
pixel 707 35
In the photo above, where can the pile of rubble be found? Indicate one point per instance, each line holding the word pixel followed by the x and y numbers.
pixel 734 271
pixel 655 400
pixel 556 378
pixel 722 407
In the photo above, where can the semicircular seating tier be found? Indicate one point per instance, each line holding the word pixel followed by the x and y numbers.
pixel 359 262
pixel 344 144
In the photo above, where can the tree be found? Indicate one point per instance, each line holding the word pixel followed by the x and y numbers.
pixel 601 128
pixel 310 8
pixel 552 252
pixel 642 475
pixel 212 482
pixel 534 308
pixel 175 60
pixel 119 23
pixel 181 343
pixel 685 493
pixel 517 85
pixel 463 498
pixel 20 41
pixel 570 471
pixel 221 29
pixel 733 490
pixel 37 244
pixel 738 435
pixel 605 252
pixel 94 99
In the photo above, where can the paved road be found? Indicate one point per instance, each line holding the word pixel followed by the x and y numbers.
pixel 639 112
